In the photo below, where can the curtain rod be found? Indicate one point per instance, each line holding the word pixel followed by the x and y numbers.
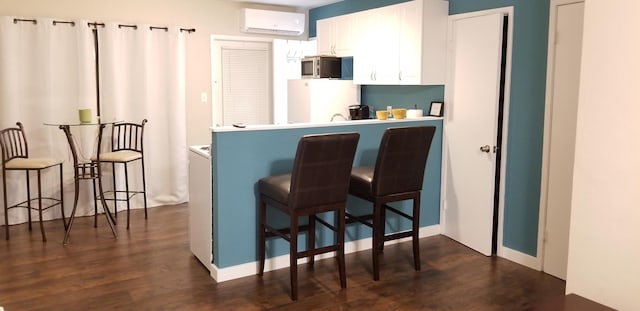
pixel 188 30
pixel 16 20
pixel 72 23
pixel 97 24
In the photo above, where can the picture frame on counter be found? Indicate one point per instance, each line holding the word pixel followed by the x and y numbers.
pixel 436 109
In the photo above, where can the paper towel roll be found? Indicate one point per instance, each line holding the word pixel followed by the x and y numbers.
pixel 414 113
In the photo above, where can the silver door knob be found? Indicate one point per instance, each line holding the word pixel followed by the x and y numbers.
pixel 485 148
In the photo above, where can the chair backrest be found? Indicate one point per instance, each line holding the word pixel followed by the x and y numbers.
pixel 13 143
pixel 402 159
pixel 322 168
pixel 127 136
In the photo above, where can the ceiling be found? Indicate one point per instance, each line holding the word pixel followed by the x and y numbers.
pixel 307 4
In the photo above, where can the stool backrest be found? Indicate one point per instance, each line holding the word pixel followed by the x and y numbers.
pixel 13 143
pixel 127 136
pixel 321 169
pixel 402 159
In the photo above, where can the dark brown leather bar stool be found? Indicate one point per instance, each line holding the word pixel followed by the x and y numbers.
pixel 15 157
pixel 397 176
pixel 318 183
pixel 126 147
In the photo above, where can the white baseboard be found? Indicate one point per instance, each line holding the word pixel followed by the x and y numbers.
pixel 275 263
pixel 521 258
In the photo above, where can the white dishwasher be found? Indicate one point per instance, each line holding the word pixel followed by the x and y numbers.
pixel 200 220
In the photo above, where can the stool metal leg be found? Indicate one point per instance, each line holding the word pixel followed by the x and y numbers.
pixel 76 184
pixel 28 198
pixel 6 206
pixel 126 188
pixel 44 237
pixel 64 220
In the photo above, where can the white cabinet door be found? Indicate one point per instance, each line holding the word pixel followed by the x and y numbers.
pixel 364 55
pixel 386 42
pixel 375 57
pixel 324 37
pixel 334 35
pixel 410 42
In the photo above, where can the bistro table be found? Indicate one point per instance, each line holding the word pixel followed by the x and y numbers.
pixel 86 170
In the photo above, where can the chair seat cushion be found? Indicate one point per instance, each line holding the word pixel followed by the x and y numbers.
pixel 119 156
pixel 360 183
pixel 276 187
pixel 31 163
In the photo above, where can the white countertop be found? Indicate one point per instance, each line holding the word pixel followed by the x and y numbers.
pixel 262 127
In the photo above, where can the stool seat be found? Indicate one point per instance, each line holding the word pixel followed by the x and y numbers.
pixel 360 184
pixel 276 187
pixel 31 163
pixel 118 156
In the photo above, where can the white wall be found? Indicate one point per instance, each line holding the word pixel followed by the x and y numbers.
pixel 209 17
pixel 604 246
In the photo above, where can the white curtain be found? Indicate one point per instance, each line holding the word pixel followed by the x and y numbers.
pixel 142 74
pixel 47 73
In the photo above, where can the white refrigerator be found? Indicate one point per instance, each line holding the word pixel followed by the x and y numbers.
pixel 320 100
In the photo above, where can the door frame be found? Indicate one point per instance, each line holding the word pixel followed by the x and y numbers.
pixel 216 99
pixel 506 11
pixel 548 105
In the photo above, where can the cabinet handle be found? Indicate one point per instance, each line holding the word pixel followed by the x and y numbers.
pixel 400 75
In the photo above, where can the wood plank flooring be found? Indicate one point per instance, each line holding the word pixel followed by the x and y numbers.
pixel 150 267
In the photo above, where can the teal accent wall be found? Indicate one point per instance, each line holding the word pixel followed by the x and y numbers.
pixel 240 158
pixel 347 68
pixel 378 97
pixel 344 7
pixel 526 117
pixel 526 110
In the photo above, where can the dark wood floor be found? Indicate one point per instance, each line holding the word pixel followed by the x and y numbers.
pixel 150 267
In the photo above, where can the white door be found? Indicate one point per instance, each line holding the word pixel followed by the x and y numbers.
pixel 471 121
pixel 242 82
pixel 562 135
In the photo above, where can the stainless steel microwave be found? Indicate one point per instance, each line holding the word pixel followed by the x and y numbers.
pixel 317 67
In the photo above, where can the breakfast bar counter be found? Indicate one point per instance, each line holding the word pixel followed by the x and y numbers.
pixel 240 156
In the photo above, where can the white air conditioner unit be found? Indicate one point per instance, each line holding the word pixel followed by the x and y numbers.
pixel 273 22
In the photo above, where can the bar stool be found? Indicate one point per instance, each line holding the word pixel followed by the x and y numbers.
pixel 397 176
pixel 126 147
pixel 318 183
pixel 15 157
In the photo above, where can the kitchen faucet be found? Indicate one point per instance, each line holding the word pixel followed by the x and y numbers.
pixel 338 115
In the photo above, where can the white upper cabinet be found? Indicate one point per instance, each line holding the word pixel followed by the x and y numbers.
pixel 335 35
pixel 401 44
pixel 377 43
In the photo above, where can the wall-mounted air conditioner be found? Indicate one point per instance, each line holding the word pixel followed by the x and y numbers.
pixel 272 22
